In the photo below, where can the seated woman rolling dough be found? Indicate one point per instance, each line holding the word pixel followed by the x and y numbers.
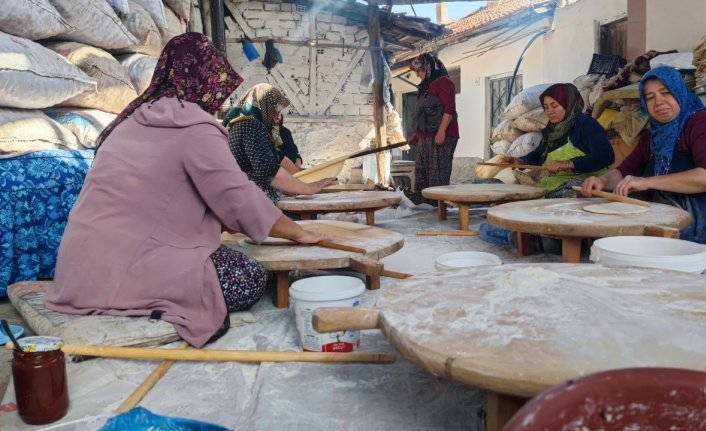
pixel 253 136
pixel 668 165
pixel 574 146
pixel 144 236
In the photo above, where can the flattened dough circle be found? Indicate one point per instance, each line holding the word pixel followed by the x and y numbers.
pixel 615 208
pixel 270 240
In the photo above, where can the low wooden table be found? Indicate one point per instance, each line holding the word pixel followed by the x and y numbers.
pixel 566 220
pixel 517 330
pixel 281 259
pixel 323 203
pixel 348 188
pixel 463 195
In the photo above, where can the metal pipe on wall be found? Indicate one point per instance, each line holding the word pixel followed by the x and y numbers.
pixel 218 26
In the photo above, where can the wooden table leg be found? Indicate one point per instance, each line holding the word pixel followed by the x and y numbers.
pixel 370 217
pixel 306 215
pixel 571 250
pixel 370 267
pixel 499 410
pixel 282 292
pixel 463 216
pixel 442 210
pixel 524 244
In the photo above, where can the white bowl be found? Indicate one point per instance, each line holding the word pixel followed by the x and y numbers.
pixel 650 252
pixel 465 259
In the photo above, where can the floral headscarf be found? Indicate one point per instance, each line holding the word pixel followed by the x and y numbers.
pixel 190 68
pixel 569 97
pixel 666 135
pixel 264 102
pixel 432 67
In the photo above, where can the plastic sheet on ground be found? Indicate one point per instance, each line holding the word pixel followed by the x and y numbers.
pixel 297 396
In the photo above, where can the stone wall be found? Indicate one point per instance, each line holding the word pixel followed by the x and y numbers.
pixel 337 118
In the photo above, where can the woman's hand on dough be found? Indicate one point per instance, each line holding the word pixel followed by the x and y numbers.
pixel 308 237
pixel 592 183
pixel 630 184
pixel 317 186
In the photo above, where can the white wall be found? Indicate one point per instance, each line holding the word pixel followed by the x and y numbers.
pixel 569 48
pixel 675 24
pixel 559 56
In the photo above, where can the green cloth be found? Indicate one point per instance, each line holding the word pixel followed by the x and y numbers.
pixel 563 153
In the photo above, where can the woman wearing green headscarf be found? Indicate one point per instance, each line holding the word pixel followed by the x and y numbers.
pixel 253 137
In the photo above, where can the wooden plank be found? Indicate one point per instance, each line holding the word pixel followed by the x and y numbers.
pixel 378 99
pixel 312 65
pixel 341 80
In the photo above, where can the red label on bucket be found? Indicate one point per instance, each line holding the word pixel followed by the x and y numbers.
pixel 338 347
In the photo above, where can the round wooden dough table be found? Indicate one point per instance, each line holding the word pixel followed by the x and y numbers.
pixel 566 219
pixel 281 259
pixel 322 203
pixel 517 330
pixel 463 195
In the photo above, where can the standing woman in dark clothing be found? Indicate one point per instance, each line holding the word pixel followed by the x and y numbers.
pixel 436 128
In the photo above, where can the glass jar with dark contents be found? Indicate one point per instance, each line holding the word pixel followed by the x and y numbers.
pixel 39 375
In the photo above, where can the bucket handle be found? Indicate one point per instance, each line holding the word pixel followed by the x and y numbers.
pixel 333 319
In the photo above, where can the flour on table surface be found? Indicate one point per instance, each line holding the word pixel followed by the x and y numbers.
pixel 616 208
pixel 583 315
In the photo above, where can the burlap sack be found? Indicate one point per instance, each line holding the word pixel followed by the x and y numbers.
pixel 32 76
pixel 24 131
pixel 114 87
pixel 95 23
pixel 32 19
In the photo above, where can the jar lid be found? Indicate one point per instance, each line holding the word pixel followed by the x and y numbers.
pixel 40 344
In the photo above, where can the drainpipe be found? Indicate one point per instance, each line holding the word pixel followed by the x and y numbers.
pixel 519 61
pixel 218 26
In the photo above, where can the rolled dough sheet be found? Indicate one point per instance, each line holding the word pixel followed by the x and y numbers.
pixel 615 208
pixel 271 241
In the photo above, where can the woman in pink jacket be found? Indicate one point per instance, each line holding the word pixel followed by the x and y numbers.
pixel 144 235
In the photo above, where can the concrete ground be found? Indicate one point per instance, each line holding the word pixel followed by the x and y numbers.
pixel 416 257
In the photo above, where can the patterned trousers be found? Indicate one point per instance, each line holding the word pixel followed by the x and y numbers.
pixel 433 166
pixel 242 278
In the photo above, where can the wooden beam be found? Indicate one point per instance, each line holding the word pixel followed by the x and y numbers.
pixel 313 78
pixel 316 44
pixel 341 80
pixel 378 74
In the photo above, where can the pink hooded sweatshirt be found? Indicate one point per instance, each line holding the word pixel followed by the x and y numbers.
pixel 148 217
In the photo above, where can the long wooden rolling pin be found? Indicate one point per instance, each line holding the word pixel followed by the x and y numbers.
pixel 514 166
pixel 614 197
pixel 206 355
pixel 332 319
pixel 343 247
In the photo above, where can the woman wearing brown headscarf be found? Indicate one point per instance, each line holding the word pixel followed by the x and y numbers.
pixel 253 136
pixel 144 235
pixel 436 128
pixel 574 146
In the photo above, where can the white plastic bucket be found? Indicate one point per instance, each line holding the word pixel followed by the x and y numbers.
pixel 651 252
pixel 326 291
pixel 465 259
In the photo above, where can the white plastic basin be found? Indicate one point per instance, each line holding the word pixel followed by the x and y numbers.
pixel 650 252
pixel 465 259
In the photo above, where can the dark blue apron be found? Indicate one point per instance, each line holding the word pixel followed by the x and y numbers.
pixel 695 204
